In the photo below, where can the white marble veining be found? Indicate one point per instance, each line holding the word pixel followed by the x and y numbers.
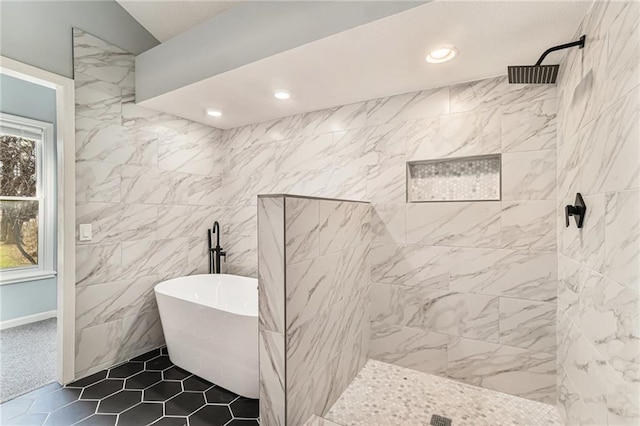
pixel 106 302
pixel 146 182
pixel 272 378
pixel 516 371
pixel 410 265
pixel 529 225
pixel 454 135
pixel 529 175
pixel 529 126
pixel 608 317
pixel 495 92
pixel 314 304
pixel 302 224
pixel 97 181
pixel 610 150
pixel 622 238
pixel 98 263
pixel 454 224
pixel 458 314
pixel 102 61
pixel 343 225
pixel 388 223
pixel 385 183
pixel 599 273
pixel 334 119
pixel 413 348
pixel 113 222
pixel 141 332
pixel 510 273
pixel 97 346
pixel 271 264
pixel 98 105
pixel 527 324
pixel 408 106
pixel 110 143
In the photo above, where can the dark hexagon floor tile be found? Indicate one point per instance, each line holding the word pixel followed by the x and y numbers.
pixel 28 419
pixel 158 364
pixel 143 380
pixel 146 356
pixel 162 391
pixel 119 402
pixel 195 383
pixel 171 421
pixel 54 400
pixel 99 420
pixel 102 389
pixel 210 415
pixel 245 408
pixel 175 373
pixel 219 395
pixel 165 351
pixel 126 370
pixel 243 422
pixel 72 413
pixel 89 380
pixel 184 404
pixel 142 414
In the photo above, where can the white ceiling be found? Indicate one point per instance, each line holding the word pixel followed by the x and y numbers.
pixel 382 58
pixel 166 19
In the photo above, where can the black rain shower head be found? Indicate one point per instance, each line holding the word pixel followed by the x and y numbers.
pixel 539 74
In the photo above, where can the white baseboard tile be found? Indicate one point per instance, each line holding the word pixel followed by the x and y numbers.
pixel 27 319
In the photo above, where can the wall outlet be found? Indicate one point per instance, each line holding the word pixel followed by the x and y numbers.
pixel 85 232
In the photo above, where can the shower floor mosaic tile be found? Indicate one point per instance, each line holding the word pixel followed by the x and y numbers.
pixel 147 390
pixel 386 395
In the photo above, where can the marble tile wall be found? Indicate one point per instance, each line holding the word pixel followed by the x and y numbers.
pixel 599 265
pixel 453 284
pixel 314 280
pixel 271 311
pixel 147 182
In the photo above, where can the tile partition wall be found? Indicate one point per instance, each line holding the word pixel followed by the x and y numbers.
pixel 466 289
pixel 314 303
pixel 147 182
pixel 599 265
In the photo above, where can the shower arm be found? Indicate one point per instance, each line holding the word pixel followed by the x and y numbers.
pixel 560 47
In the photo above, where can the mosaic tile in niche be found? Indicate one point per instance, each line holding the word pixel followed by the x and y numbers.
pixel 474 178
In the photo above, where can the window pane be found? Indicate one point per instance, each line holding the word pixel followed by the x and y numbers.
pixel 17 166
pixel 18 234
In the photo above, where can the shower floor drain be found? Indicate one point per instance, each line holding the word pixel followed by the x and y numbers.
pixel 437 420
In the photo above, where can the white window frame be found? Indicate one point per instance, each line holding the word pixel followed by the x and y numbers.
pixel 45 194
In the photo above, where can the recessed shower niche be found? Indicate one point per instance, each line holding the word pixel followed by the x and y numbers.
pixel 454 179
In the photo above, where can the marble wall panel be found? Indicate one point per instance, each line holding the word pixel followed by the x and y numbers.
pixel 599 272
pixel 314 283
pixel 146 182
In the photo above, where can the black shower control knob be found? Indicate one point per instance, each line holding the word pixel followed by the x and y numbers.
pixel 578 211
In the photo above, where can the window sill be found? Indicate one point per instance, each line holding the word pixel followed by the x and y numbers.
pixel 14 277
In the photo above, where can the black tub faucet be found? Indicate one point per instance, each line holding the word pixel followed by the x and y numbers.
pixel 215 253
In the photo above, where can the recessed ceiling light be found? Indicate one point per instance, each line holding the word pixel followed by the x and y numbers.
pixel 214 113
pixel 282 94
pixel 442 54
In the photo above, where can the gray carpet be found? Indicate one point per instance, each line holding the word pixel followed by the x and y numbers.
pixel 27 358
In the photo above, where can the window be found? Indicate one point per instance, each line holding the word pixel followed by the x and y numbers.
pixel 27 199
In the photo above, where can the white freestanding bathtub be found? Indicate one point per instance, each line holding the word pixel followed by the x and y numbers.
pixel 210 324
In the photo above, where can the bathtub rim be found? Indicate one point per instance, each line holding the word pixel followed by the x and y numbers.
pixel 159 290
